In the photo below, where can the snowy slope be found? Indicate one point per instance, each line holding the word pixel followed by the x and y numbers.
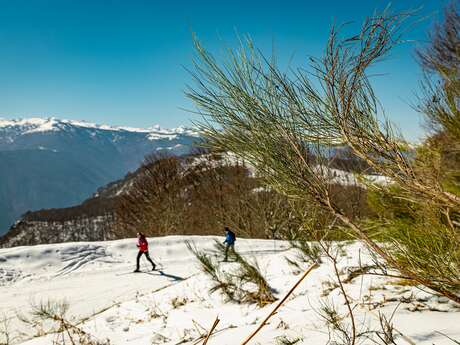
pixel 176 307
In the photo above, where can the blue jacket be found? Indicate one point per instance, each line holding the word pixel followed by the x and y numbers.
pixel 230 238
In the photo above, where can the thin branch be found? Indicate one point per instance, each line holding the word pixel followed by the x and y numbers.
pixel 280 303
pixel 214 325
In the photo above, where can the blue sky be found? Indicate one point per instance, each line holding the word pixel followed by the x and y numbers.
pixel 122 62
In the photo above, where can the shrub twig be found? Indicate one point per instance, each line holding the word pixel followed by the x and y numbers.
pixel 280 303
pixel 216 322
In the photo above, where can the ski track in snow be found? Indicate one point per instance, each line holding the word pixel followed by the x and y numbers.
pixel 9 276
pixel 175 304
pixel 78 256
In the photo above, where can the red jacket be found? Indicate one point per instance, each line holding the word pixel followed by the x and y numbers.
pixel 142 244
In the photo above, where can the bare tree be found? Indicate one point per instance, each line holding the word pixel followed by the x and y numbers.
pixel 200 194
pixel 152 202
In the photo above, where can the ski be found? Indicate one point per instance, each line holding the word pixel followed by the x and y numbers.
pixel 159 271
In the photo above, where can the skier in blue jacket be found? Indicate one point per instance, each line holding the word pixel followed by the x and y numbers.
pixel 230 239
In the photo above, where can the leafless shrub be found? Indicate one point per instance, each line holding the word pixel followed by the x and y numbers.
pixel 387 333
pixel 156 312
pixel 285 340
pixel 6 333
pixel 50 318
pixel 177 302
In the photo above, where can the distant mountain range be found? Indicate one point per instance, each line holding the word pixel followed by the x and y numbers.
pixel 51 163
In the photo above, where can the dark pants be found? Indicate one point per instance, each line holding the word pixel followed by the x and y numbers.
pixel 139 257
pixel 227 247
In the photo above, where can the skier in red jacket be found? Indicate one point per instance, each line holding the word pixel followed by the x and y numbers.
pixel 143 246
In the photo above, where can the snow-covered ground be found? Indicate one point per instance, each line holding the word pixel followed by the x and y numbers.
pixel 176 307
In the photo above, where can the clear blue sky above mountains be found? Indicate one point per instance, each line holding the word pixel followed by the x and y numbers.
pixel 122 62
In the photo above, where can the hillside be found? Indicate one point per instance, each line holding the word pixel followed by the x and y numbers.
pixel 92 220
pixel 204 193
pixel 175 305
pixel 51 163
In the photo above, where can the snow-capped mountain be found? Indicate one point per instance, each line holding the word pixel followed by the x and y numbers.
pixel 15 132
pixel 51 163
